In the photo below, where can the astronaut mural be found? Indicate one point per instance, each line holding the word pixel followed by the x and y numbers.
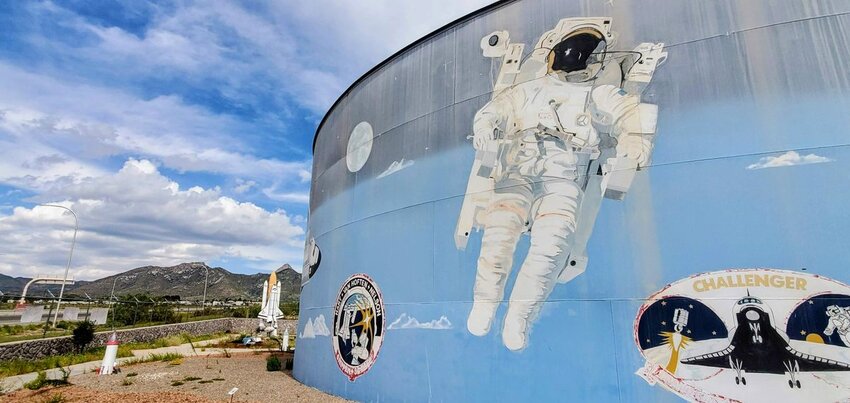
pixel 565 127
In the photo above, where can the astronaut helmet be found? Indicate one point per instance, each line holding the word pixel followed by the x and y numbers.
pixel 577 51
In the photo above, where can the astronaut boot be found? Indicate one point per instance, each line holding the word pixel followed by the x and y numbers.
pixel 537 277
pixel 494 264
pixel 515 332
pixel 481 318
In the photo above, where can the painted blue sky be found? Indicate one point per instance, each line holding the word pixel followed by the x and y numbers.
pixel 177 131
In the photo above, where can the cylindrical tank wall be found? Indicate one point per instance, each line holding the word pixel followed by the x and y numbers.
pixel 750 162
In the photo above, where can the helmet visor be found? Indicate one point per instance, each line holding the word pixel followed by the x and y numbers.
pixel 573 53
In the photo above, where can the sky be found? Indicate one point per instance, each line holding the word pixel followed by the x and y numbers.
pixel 176 130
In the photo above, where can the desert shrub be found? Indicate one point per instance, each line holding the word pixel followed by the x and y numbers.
pixel 66 373
pixel 272 363
pixel 57 398
pixel 37 383
pixel 289 309
pixel 83 335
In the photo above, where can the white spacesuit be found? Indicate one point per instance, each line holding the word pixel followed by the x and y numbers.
pixel 839 319
pixel 568 111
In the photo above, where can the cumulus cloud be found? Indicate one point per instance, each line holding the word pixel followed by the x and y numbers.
pixel 218 90
pixel 409 322
pixel 138 217
pixel 42 117
pixel 788 159
pixel 243 186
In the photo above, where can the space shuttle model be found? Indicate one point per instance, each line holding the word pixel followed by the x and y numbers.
pixel 271 305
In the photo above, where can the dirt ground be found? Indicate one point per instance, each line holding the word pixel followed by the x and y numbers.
pixel 164 382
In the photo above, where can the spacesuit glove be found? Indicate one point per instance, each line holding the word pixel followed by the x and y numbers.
pixel 635 147
pixel 482 138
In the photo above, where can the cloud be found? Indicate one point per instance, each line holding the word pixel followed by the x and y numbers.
pixel 138 217
pixel 789 159
pixel 408 322
pixel 293 197
pixel 395 167
pixel 315 328
pixel 43 117
pixel 243 186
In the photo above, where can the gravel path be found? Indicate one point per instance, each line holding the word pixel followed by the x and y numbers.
pixel 13 383
pixel 164 382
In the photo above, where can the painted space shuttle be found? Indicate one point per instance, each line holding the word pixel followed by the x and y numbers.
pixel 271 305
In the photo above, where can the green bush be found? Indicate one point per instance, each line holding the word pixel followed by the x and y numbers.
pixel 83 335
pixel 57 398
pixel 37 383
pixel 272 363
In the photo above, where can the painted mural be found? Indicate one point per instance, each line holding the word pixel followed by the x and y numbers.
pixel 358 326
pixel 565 128
pixel 521 183
pixel 312 260
pixel 748 335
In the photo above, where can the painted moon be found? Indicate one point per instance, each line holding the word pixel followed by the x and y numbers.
pixel 754 335
pixel 359 146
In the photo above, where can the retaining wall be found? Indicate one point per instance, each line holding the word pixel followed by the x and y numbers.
pixel 33 349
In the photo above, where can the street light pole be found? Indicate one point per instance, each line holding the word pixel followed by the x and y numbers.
pixel 70 255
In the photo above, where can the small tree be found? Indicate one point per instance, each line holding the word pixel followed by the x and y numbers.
pixel 83 335
pixel 272 363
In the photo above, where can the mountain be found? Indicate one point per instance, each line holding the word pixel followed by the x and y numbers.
pixel 12 286
pixel 185 280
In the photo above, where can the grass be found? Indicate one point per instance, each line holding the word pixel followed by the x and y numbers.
pixel 56 398
pixel 41 381
pixel 20 366
pixel 191 378
pixel 10 333
pixel 167 357
pixel 170 341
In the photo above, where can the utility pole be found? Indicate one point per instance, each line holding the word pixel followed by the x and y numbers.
pixel 206 277
pixel 70 255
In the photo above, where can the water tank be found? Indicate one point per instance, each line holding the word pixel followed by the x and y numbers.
pixel 622 200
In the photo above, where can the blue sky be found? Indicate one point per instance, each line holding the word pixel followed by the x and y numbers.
pixel 178 131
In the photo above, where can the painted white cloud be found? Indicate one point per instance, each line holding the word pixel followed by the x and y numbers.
pixel 139 217
pixel 395 167
pixel 788 159
pixel 315 328
pixel 409 322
